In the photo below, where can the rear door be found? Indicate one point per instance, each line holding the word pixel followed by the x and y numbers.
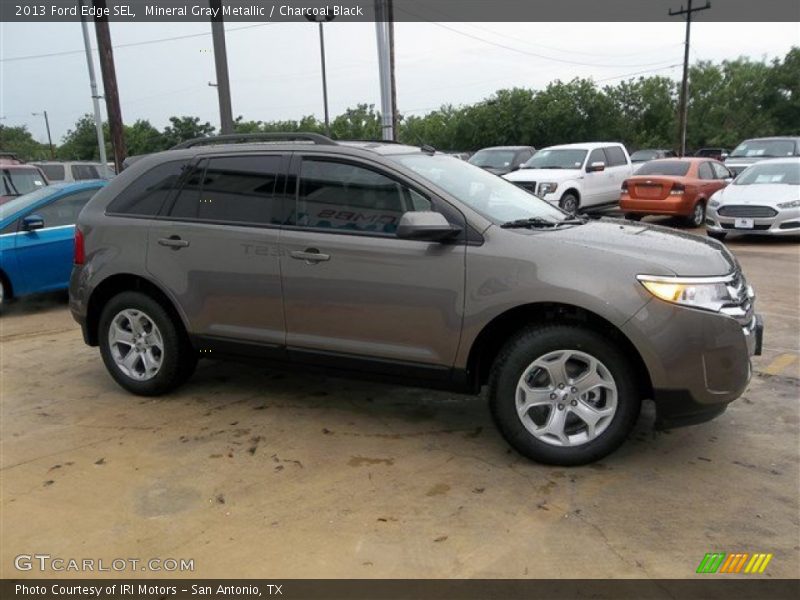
pixel 356 293
pixel 215 250
pixel 618 169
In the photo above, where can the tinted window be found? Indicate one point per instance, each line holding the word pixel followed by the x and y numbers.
pixel 704 171
pixel 15 182
pixel 493 159
pixel 344 196
pixel 53 172
pixel 146 194
pixel 616 157
pixel 64 211
pixel 671 168
pixel 236 189
pixel 720 172
pixel 82 172
pixel 597 155
pixel 642 155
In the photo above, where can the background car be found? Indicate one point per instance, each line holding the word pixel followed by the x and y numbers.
pixel 764 200
pixel 36 238
pixel 715 153
pixel 502 159
pixel 576 176
pixel 646 154
pixel 752 151
pixel 64 172
pixel 678 187
pixel 18 178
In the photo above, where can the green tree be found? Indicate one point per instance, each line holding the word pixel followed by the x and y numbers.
pixel 143 138
pixel 80 143
pixel 20 141
pixel 360 123
pixel 185 128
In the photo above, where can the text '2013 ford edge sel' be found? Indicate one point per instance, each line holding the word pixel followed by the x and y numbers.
pixel 394 262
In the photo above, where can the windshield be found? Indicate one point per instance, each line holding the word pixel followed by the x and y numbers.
pixel 22 202
pixel 15 182
pixel 765 149
pixel 53 172
pixel 493 159
pixel 641 155
pixel 674 168
pixel 493 197
pixel 788 173
pixel 556 159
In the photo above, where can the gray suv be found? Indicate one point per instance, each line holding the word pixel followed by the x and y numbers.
pixel 393 262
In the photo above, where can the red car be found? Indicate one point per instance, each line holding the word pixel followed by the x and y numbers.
pixel 18 178
pixel 678 187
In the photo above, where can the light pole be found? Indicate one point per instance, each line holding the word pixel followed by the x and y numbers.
pixel 47 125
pixel 320 21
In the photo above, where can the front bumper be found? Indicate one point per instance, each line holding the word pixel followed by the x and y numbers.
pixel 786 222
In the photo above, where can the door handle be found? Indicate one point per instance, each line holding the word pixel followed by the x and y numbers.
pixel 174 242
pixel 310 255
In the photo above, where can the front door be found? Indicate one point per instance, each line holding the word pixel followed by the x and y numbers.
pixel 216 250
pixel 353 290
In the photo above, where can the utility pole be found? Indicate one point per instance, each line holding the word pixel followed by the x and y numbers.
pixel 221 65
pixel 320 20
pixel 47 125
pixel 384 69
pixel 684 102
pixel 98 119
pixel 109 73
pixel 392 79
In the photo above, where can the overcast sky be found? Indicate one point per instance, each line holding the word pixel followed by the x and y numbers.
pixel 275 71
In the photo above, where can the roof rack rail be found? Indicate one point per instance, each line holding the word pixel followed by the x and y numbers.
pixel 244 138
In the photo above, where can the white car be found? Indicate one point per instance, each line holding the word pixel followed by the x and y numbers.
pixel 70 171
pixel 764 199
pixel 576 176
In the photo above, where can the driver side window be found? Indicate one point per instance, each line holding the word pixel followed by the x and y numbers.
pixel 597 155
pixel 64 211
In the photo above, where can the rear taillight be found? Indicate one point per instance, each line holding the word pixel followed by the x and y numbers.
pixel 624 187
pixel 677 189
pixel 79 255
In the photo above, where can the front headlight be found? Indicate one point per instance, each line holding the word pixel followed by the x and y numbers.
pixel 707 293
pixel 547 188
pixel 714 203
pixel 792 204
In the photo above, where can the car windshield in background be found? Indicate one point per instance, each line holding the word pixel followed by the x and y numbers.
pixel 673 168
pixel 20 202
pixel 53 172
pixel 788 174
pixel 765 149
pixel 492 159
pixel 493 197
pixel 557 159
pixel 15 182
pixel 640 155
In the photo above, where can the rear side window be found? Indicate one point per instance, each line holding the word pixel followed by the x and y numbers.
pixel 64 211
pixel 232 189
pixel 704 171
pixel 335 195
pixel 597 155
pixel 615 156
pixel 53 172
pixel 82 172
pixel 145 195
pixel 720 171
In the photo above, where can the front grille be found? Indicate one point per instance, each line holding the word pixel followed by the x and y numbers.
pixel 753 228
pixel 528 186
pixel 742 210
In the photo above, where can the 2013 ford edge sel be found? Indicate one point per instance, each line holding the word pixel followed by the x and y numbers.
pixel 395 262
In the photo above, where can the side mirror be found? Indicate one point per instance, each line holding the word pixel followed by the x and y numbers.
pixel 426 226
pixel 723 156
pixel 596 167
pixel 32 223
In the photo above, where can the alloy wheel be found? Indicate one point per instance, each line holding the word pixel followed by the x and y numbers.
pixel 136 344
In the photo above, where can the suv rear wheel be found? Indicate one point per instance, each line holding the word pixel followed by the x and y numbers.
pixel 563 395
pixel 142 347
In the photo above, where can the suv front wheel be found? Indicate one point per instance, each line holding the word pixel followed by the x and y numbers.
pixel 142 347
pixel 563 395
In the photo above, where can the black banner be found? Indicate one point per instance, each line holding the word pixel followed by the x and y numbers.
pixel 404 10
pixel 712 588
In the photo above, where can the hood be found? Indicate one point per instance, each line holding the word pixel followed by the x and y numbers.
pixel 543 174
pixel 762 194
pixel 657 250
pixel 745 160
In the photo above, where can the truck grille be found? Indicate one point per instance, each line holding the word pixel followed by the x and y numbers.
pixel 741 210
pixel 528 186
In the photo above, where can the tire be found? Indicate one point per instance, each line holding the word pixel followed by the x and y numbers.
pixel 569 202
pixel 717 235
pixel 167 358
pixel 698 216
pixel 3 292
pixel 633 217
pixel 577 446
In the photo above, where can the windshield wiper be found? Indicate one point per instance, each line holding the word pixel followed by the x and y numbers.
pixel 535 222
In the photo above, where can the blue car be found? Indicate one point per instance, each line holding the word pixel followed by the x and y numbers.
pixel 37 233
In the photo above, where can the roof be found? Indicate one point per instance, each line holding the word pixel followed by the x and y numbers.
pixel 584 146
pixel 507 148
pixel 67 162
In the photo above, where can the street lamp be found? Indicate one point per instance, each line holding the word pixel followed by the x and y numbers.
pixel 321 20
pixel 47 125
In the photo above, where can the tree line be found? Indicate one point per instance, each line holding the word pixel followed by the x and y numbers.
pixel 728 102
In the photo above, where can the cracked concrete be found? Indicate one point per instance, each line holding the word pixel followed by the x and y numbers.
pixel 255 473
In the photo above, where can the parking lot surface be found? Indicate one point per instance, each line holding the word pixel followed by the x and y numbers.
pixel 255 473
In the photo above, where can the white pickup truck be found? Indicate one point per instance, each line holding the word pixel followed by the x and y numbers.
pixel 576 176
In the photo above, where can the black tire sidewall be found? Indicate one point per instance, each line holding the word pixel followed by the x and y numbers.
pixel 692 220
pixel 564 201
pixel 178 360
pixel 537 341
